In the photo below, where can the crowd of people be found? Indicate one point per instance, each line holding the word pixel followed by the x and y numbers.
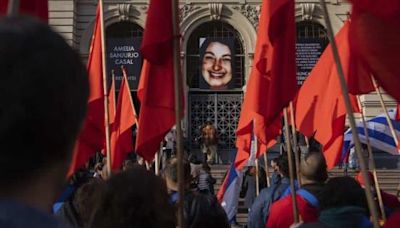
pixel 43 97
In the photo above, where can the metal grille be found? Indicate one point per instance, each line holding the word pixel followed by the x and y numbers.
pixel 124 30
pixel 215 29
pixel 222 110
pixel 309 29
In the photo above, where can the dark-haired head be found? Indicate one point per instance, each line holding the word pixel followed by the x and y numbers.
pixel 171 173
pixel 205 211
pixel 342 191
pixel 134 198
pixel 43 99
pixel 313 168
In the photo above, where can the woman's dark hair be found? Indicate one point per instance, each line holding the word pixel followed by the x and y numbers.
pixel 203 48
pixel 134 198
pixel 205 211
pixel 342 191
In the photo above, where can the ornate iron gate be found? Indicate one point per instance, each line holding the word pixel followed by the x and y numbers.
pixel 223 111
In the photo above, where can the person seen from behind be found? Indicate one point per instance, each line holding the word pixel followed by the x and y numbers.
pixel 43 102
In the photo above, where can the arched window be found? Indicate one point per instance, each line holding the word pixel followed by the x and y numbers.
pixel 215 71
pixel 312 40
pixel 123 42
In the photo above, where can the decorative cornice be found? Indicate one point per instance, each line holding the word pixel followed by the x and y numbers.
pixel 251 12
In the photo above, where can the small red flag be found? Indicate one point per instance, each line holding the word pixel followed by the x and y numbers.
pixel 272 83
pixel 125 118
pixel 156 86
pixel 320 107
pixel 37 8
pixel 374 41
pixel 92 137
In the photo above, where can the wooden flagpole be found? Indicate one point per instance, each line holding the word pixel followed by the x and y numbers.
pixel 356 139
pixel 178 111
pixel 372 163
pixel 389 121
pixel 257 177
pixel 295 144
pixel 266 166
pixel 106 109
pixel 291 170
pixel 13 7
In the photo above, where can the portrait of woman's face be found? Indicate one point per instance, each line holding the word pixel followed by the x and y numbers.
pixel 217 65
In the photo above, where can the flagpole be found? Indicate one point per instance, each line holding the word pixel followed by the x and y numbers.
pixel 106 110
pixel 378 91
pixel 113 82
pixel 295 144
pixel 13 6
pixel 372 163
pixel 267 168
pixel 291 171
pixel 257 176
pixel 178 111
pixel 345 93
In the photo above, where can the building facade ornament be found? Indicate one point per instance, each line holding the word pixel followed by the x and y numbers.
pixel 215 10
pixel 307 11
pixel 252 13
pixel 124 11
pixel 185 10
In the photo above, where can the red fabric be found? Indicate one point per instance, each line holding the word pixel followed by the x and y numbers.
pixel 272 83
pixel 398 112
pixel 37 8
pixel 112 102
pixel 92 137
pixel 320 107
pixel 393 221
pixel 125 118
pixel 281 212
pixel 374 36
pixel 156 86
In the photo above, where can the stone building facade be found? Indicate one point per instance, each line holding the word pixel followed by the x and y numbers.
pixel 235 20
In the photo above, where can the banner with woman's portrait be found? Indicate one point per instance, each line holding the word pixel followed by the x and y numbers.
pixel 216 63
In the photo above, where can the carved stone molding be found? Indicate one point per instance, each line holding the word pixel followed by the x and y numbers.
pixel 215 10
pixel 252 13
pixel 185 10
pixel 124 11
pixel 307 11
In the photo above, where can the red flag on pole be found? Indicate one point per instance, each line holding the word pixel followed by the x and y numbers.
pixel 125 118
pixel 272 83
pixel 320 107
pixel 92 137
pixel 156 86
pixel 37 8
pixel 374 41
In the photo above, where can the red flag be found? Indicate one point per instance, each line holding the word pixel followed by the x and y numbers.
pixel 125 118
pixel 374 41
pixel 320 107
pixel 156 86
pixel 37 8
pixel 92 137
pixel 272 83
pixel 398 112
pixel 111 101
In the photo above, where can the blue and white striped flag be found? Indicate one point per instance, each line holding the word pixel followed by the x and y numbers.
pixel 379 134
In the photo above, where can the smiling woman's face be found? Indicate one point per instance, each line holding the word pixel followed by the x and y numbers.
pixel 217 67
